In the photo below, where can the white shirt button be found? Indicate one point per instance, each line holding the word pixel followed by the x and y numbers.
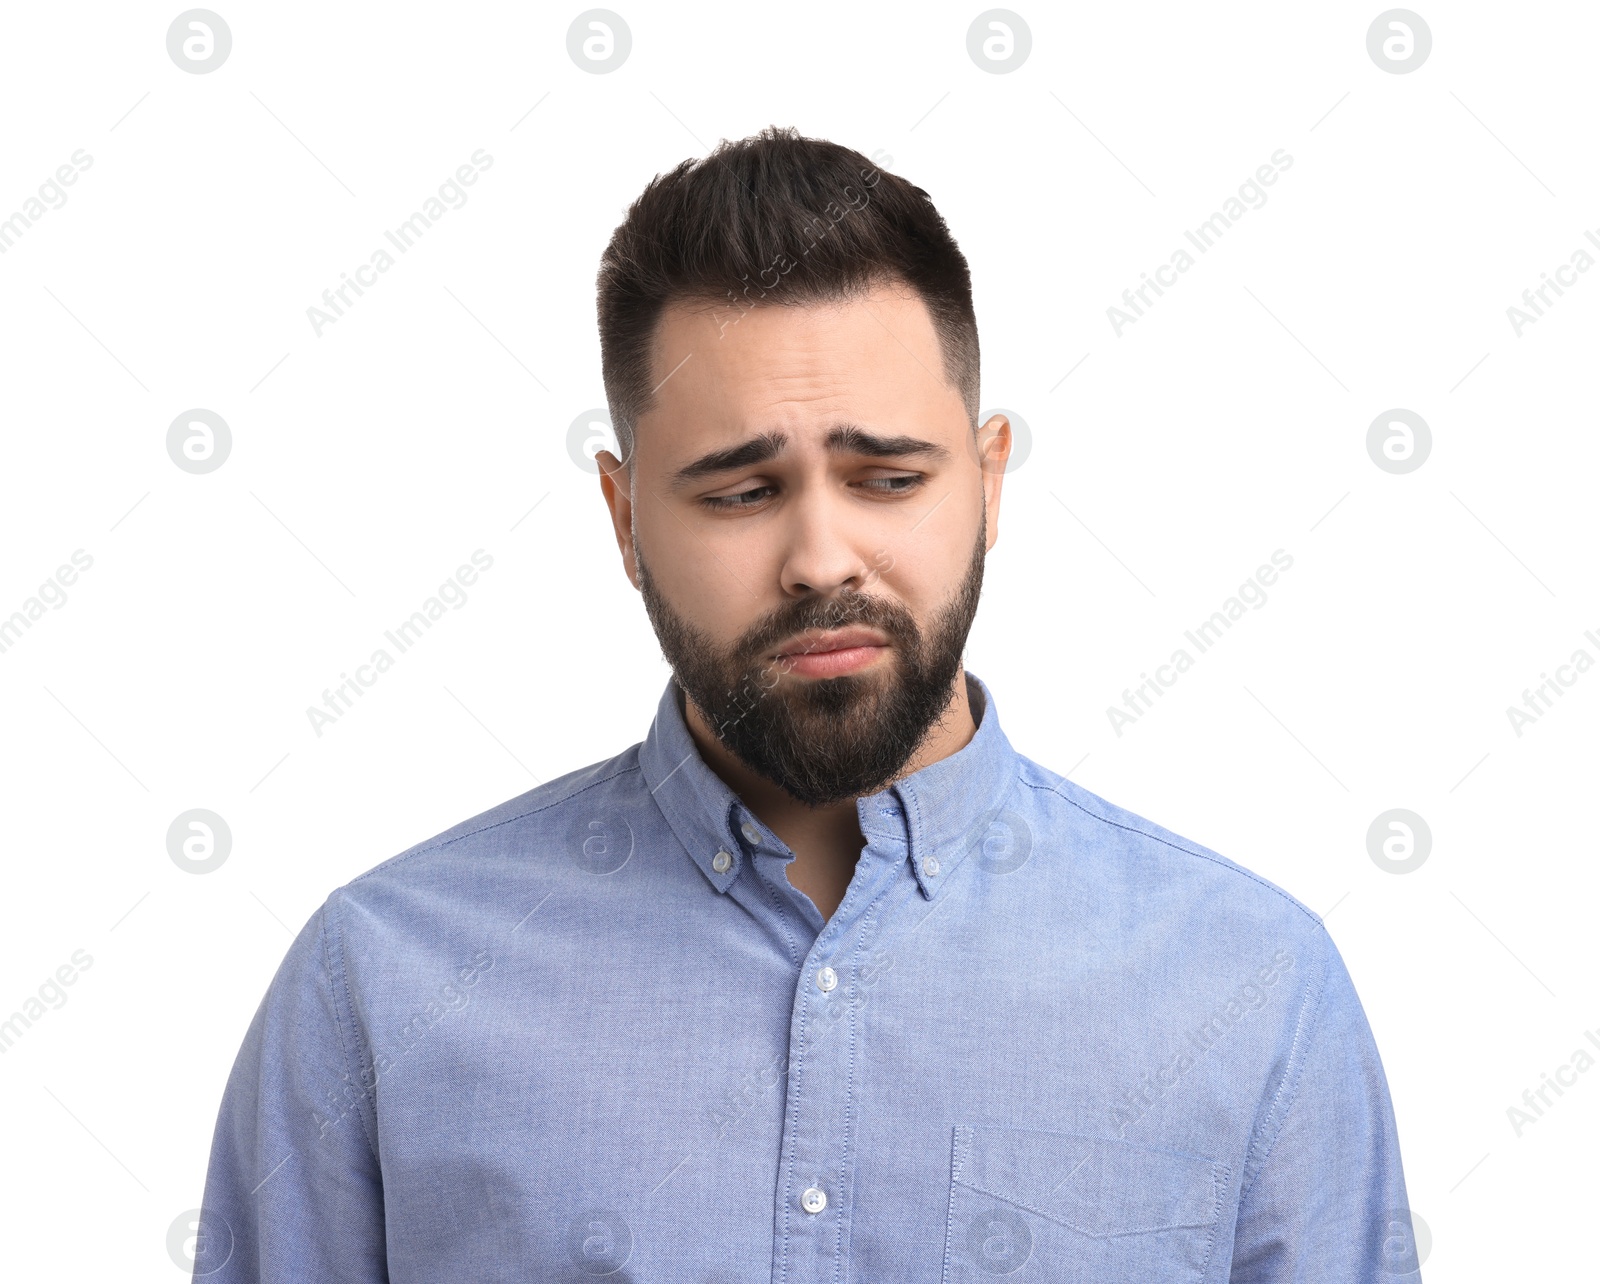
pixel 931 866
pixel 813 1200
pixel 827 979
pixel 750 832
pixel 721 862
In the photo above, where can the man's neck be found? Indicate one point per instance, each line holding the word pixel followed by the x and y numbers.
pixel 826 840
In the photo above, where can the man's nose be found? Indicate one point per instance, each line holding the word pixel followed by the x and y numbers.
pixel 820 556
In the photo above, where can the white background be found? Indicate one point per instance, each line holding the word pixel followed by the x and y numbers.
pixel 431 420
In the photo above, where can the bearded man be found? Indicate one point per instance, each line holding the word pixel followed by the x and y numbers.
pixel 822 981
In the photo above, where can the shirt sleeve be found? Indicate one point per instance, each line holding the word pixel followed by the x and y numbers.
pixel 1323 1195
pixel 294 1193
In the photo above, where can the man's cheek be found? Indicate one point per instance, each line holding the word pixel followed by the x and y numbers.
pixel 879 565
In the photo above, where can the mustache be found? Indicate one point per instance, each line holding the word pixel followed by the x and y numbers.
pixel 847 609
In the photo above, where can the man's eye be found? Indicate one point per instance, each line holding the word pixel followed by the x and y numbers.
pixel 894 485
pixel 744 499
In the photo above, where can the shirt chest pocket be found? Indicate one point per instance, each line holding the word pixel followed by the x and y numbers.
pixel 1056 1206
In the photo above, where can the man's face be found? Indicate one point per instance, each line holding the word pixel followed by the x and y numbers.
pixel 807 520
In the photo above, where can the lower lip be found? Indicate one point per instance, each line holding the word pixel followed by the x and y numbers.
pixel 831 664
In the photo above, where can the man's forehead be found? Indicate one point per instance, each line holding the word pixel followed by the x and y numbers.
pixel 796 365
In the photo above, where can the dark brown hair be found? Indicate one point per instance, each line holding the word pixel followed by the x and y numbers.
pixel 775 218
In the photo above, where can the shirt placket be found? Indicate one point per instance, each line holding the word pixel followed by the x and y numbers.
pixel 816 1167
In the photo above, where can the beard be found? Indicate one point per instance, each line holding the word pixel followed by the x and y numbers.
pixel 823 740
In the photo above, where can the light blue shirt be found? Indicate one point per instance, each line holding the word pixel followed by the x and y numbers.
pixel 596 1032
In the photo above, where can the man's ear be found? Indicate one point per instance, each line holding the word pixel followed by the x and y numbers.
pixel 994 450
pixel 616 486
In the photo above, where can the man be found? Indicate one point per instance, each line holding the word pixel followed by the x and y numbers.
pixel 822 981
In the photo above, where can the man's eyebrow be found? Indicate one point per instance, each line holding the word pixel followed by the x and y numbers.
pixel 758 450
pixel 848 439
pixel 851 440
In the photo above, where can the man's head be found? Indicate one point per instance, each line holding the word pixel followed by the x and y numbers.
pixel 805 498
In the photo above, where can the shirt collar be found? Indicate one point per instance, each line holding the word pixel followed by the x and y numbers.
pixel 942 812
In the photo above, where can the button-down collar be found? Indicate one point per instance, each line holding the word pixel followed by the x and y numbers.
pixel 941 812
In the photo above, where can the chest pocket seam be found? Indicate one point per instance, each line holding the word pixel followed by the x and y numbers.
pixel 1218 1177
pixel 1219 1174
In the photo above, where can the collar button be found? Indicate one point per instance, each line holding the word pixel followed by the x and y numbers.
pixel 722 862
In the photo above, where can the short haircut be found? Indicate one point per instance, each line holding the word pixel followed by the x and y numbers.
pixel 774 218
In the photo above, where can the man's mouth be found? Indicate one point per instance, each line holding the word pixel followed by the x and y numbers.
pixel 831 653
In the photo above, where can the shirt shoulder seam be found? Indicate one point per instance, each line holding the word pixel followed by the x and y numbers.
pixel 1187 850
pixel 1306 1026
pixel 482 829
pixel 340 1011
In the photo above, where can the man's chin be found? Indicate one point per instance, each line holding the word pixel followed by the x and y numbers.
pixel 824 740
